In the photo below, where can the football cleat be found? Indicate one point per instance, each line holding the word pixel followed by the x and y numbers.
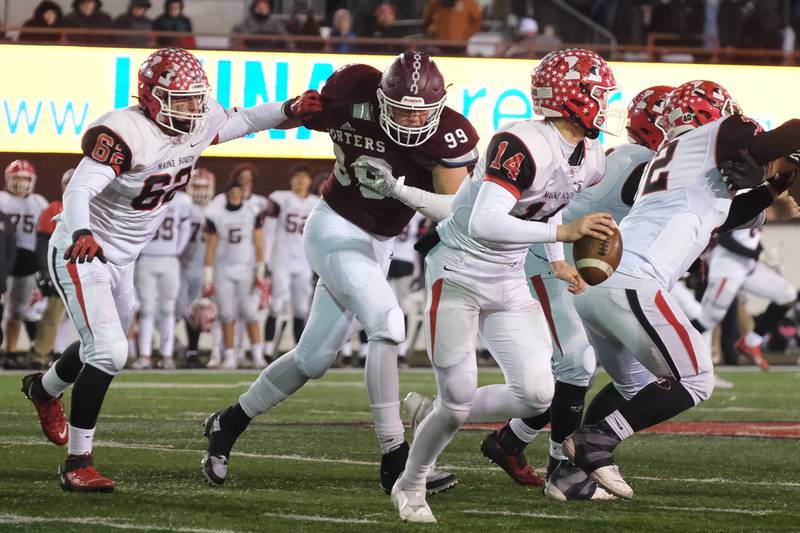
pixel 568 482
pixel 215 461
pixel 439 480
pixel 259 362
pixel 411 505
pixel 514 463
pixel 230 363
pixel 754 353
pixel 167 363
pixel 78 474
pixel 591 448
pixel 393 464
pixel 722 383
pixel 414 408
pixel 50 412
pixel 143 363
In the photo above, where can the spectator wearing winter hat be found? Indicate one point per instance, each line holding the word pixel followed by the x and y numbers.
pixel 87 14
pixel 302 22
pixel 135 19
pixel 173 19
pixel 47 14
pixel 342 26
pixel 260 22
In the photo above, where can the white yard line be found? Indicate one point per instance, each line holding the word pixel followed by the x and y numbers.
pixel 29 441
pixel 752 512
pixel 522 514
pixel 104 522
pixel 317 518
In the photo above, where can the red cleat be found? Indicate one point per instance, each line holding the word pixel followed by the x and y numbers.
pixel 754 353
pixel 51 412
pixel 514 464
pixel 78 474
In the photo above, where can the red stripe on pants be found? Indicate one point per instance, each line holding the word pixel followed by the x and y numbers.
pixel 663 306
pixel 721 288
pixel 436 295
pixel 76 280
pixel 541 294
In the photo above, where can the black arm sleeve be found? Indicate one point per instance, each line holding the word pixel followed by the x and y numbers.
pixel 737 132
pixel 509 163
pixel 727 241
pixel 9 254
pixel 746 207
pixel 42 240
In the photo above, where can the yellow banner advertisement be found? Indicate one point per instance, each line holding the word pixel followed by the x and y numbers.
pixel 58 91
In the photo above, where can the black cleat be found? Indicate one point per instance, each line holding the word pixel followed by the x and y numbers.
pixel 592 449
pixel 215 461
pixel 393 464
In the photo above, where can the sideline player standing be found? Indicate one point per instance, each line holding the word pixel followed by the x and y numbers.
pixel 682 199
pixel 475 278
pixel 573 356
pixel 287 213
pixel 382 126
pixel 135 161
pixel 157 280
pixel 23 206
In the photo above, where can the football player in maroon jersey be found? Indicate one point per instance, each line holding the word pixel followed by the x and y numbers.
pixel 398 149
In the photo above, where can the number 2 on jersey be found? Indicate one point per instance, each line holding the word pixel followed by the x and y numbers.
pixel 655 182
pixel 160 188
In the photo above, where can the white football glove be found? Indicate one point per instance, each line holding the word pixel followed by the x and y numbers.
pixel 376 174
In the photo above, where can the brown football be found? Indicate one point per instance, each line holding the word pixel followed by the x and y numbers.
pixel 596 260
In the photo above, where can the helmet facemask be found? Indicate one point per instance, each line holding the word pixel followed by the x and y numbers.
pixel 608 120
pixel 20 185
pixel 409 136
pixel 178 121
pixel 201 190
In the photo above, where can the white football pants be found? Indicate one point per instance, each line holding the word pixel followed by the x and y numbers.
pixel 157 280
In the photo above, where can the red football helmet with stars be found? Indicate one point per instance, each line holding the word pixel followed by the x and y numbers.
pixel 174 90
pixel 694 104
pixel 201 186
pixel 573 83
pixel 20 178
pixel 643 112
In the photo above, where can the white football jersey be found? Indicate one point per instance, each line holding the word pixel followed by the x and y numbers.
pixel 533 161
pixel 257 201
pixel 405 241
pixel 681 200
pixel 151 168
pixel 290 212
pixel 234 229
pixel 24 214
pixel 169 236
pixel 194 254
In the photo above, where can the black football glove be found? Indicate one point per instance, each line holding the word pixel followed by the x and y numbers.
pixel 84 248
pixel 744 172
pixel 781 181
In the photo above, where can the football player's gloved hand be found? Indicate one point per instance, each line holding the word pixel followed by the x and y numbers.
pixel 45 285
pixel 742 173
pixel 781 181
pixel 376 175
pixel 304 106
pixel 84 248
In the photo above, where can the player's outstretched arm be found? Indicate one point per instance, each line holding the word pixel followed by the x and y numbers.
pixel 283 115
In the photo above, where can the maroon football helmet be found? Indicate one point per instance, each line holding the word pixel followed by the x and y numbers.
pixel 694 104
pixel 412 88
pixel 167 77
pixel 643 111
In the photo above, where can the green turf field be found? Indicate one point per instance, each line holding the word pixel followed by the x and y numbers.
pixel 311 465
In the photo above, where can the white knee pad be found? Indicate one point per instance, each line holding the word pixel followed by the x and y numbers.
pixel 390 327
pixel 111 356
pixel 167 307
pixel 700 386
pixel 577 365
pixel 458 386
pixel 537 393
pixel 789 295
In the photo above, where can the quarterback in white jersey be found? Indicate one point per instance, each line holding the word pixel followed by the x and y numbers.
pixel 290 272
pixel 573 356
pixel 234 267
pixel 135 161
pixel 681 200
pixel 23 207
pixel 201 190
pixel 475 277
pixel 157 281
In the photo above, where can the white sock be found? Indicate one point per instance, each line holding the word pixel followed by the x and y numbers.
pixel 167 330
pixel 146 325
pixel 269 347
pixel 275 383
pixel 402 349
pixel 80 440
pixel 619 425
pixel 753 339
pixel 230 354
pixel 523 431
pixel 557 451
pixel 347 349
pixel 257 349
pixel 52 384
pixel 383 390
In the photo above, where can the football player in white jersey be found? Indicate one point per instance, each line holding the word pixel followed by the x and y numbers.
pixel 475 276
pixel 682 199
pixel 157 280
pixel 234 268
pixel 135 160
pixel 201 190
pixel 573 356
pixel 23 206
pixel 402 269
pixel 287 212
